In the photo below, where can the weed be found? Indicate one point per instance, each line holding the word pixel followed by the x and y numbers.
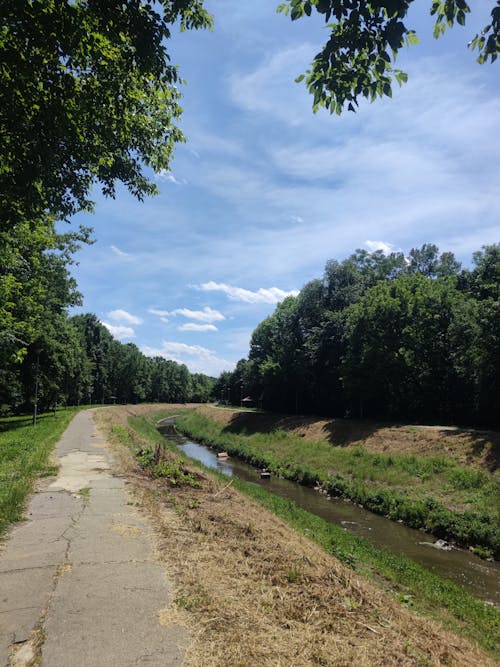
pixel 196 600
pixel 170 468
pixel 85 494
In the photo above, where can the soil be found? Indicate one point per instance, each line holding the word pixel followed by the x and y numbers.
pixel 466 446
pixel 251 591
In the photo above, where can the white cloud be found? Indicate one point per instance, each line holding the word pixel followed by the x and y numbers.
pixel 119 332
pixel 160 313
pixel 206 315
pixel 167 176
pixel 197 358
pixel 123 316
pixel 262 295
pixel 192 326
pixel 119 252
pixel 386 248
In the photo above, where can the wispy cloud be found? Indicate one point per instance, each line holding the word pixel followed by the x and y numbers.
pixel 192 326
pixel 262 295
pixel 197 358
pixel 118 252
pixel 269 85
pixel 123 316
pixel 159 313
pixel 119 332
pixel 168 177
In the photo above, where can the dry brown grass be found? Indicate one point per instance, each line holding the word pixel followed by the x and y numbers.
pixel 477 448
pixel 251 591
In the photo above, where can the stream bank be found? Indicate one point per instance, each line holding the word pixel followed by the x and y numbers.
pixel 480 578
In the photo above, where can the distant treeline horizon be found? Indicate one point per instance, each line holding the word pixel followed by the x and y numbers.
pixel 79 362
pixel 387 337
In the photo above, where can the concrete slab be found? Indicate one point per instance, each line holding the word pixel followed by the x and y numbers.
pixel 36 546
pixel 46 504
pixel 108 614
pixel 102 539
pixel 23 596
pixel 82 567
pixel 15 626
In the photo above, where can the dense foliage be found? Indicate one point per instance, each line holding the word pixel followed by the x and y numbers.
pixel 387 337
pixel 76 360
pixel 88 96
pixel 365 37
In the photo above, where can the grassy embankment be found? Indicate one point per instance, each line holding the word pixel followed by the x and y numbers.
pixel 408 582
pixel 24 456
pixel 432 492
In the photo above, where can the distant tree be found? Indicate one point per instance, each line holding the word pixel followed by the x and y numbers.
pixel 100 350
pixel 365 37
pixel 221 387
pixel 201 388
pixel 428 262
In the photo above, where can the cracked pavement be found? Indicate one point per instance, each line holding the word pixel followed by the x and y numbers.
pixel 79 577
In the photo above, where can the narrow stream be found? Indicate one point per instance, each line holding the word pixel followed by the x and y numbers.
pixel 481 578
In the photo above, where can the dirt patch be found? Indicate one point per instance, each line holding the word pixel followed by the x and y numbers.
pixel 467 447
pixel 252 591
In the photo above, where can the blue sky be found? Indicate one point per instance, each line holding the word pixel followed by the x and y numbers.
pixel 265 192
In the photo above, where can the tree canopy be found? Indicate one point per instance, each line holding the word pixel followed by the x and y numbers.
pixel 387 337
pixel 365 37
pixel 88 96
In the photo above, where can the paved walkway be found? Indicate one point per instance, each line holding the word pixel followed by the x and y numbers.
pixel 82 570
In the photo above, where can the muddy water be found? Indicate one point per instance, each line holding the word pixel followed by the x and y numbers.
pixel 481 578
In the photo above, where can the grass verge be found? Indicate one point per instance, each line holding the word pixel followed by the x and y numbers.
pixel 412 585
pixel 429 492
pixel 24 456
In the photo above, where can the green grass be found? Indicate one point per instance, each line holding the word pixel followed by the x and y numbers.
pixel 24 456
pixel 408 582
pixel 433 493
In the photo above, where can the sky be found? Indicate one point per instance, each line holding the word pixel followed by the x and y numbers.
pixel 264 192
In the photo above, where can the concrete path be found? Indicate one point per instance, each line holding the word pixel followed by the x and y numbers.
pixel 79 576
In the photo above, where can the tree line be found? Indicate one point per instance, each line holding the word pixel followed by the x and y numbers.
pixel 48 358
pixel 75 360
pixel 385 337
